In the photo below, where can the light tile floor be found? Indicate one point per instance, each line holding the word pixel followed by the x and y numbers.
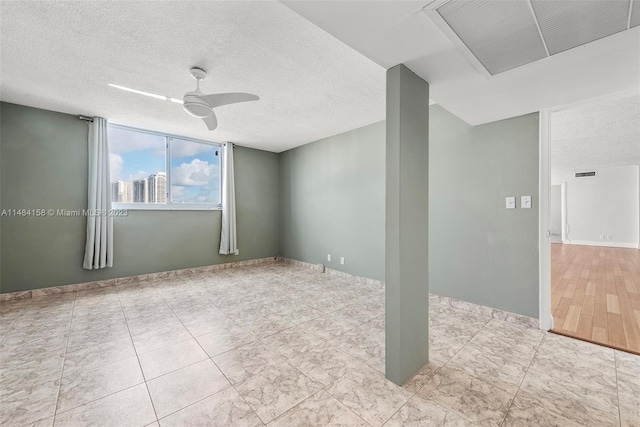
pixel 285 346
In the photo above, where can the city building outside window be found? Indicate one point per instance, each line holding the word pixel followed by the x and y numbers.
pixel 152 170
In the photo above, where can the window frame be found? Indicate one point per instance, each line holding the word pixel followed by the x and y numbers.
pixel 170 206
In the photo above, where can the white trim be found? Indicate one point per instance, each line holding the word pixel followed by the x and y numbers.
pixel 603 244
pixel 563 212
pixel 169 205
pixel 544 245
pixel 165 207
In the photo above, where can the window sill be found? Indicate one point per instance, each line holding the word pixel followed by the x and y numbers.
pixel 159 207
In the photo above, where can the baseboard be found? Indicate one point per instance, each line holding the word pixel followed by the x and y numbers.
pixel 507 316
pixel 331 272
pixel 132 280
pixel 604 244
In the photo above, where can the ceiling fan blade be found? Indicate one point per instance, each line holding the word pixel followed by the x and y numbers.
pixel 211 121
pixel 219 99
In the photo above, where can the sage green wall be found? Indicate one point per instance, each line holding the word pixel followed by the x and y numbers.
pixel 329 196
pixel 44 165
pixel 407 225
pixel 478 250
pixel 332 201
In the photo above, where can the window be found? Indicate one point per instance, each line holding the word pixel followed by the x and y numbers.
pixel 151 170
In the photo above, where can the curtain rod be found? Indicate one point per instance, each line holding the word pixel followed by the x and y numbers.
pixel 85 118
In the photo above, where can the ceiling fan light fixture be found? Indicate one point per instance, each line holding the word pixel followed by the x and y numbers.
pixel 196 106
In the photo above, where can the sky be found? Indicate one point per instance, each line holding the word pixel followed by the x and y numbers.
pixel 195 169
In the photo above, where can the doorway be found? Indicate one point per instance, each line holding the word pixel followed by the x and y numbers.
pixel 590 218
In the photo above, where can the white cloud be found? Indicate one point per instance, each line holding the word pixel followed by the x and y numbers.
pixel 115 163
pixel 181 148
pixel 138 175
pixel 198 172
pixel 123 141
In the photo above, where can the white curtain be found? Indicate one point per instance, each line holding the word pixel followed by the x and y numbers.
pixel 228 237
pixel 98 252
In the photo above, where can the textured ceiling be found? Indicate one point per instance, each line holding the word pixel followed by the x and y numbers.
pixel 319 70
pixel 597 135
pixel 394 32
pixel 61 55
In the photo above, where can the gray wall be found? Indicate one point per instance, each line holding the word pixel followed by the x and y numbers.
pixel 478 250
pixel 332 201
pixel 44 165
pixel 329 196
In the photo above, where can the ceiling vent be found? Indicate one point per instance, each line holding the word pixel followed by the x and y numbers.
pixel 585 174
pixel 634 16
pixel 497 36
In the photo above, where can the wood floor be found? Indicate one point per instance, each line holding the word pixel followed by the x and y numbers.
pixel 595 294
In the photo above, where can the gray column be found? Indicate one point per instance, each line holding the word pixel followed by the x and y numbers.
pixel 407 195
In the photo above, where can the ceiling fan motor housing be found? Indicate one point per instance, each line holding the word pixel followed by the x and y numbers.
pixel 196 106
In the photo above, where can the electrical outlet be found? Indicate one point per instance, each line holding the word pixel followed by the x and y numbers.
pixel 328 257
pixel 237 252
pixel 342 260
pixel 609 237
pixel 602 237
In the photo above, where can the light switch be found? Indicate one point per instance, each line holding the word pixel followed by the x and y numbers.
pixel 525 202
pixel 511 202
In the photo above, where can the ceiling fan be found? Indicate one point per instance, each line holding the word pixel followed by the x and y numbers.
pixel 199 104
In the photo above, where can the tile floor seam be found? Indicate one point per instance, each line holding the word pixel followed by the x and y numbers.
pixel 212 361
pixel 506 414
pixel 98 399
pixel 591 407
pixel 137 357
pixel 454 411
pixel 462 348
pixel 433 402
pixel 398 410
pixel 194 403
pixel 615 364
pixel 15 320
pixel 64 359
pixel 564 382
pixel 296 405
pixel 309 397
pixel 336 398
pixel 301 373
